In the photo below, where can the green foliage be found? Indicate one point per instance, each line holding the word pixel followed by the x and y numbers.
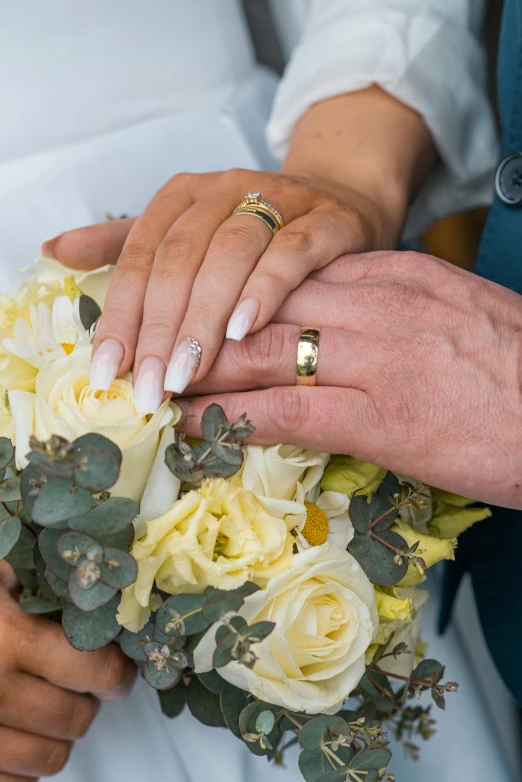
pixel 233 701
pixel 88 631
pixel 107 518
pixel 320 730
pixel 204 705
pixel 98 462
pixel 60 500
pixel 10 490
pixel 220 603
pixel 212 681
pixel 173 700
pixel 257 741
pixel 10 530
pixel 6 452
pixel 21 554
pixel 219 456
pixel 181 615
pixel 89 311
pixel 380 552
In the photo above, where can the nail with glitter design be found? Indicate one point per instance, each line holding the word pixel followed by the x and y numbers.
pixel 183 366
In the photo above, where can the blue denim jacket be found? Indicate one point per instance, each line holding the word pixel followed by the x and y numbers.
pixel 492 550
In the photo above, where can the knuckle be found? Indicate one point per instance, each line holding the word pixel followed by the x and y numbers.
pixel 235 176
pixel 178 245
pixel 56 758
pixel 240 237
pixel 114 674
pixel 300 238
pixel 135 256
pixel 288 409
pixel 202 313
pixel 80 720
pixel 263 350
pixel 156 325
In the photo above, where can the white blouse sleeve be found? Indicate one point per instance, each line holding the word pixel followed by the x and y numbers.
pixel 426 53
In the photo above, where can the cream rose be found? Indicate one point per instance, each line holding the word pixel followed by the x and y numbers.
pixel 65 404
pixel 219 535
pixel 326 617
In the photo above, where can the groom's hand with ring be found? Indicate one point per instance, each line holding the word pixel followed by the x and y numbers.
pixel 419 369
pixel 49 692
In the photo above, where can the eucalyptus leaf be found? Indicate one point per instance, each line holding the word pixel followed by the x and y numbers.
pixel 204 705
pixel 89 311
pixel 71 541
pixel 321 729
pixel 221 602
pixel 6 452
pixel 187 606
pixel 10 490
pixel 94 629
pixel 161 680
pixel 212 681
pixel 259 631
pixel 21 554
pixel 213 422
pixel 315 765
pixel 107 518
pixel 439 699
pixel 89 599
pixel 10 531
pixel 58 586
pixel 47 543
pixel 223 651
pixel 247 724
pixel 370 759
pixel 429 669
pixel 233 701
pixel 121 540
pixel 122 575
pixel 39 605
pixel 220 469
pixel 53 466
pixel 378 560
pixel 132 643
pixel 375 685
pixel 99 462
pixel 185 470
pixel 173 700
pixel 229 454
pixel 59 500
pixel 32 479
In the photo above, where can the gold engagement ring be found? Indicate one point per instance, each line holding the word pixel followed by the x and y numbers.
pixel 253 204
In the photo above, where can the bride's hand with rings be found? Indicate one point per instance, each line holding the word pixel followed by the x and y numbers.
pixel 190 272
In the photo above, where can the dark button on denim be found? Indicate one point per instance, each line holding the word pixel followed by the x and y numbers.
pixel 508 180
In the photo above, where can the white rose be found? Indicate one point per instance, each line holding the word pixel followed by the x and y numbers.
pixel 282 472
pixel 65 404
pixel 326 617
pixel 93 283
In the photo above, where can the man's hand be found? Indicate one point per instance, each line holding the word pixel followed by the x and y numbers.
pixel 419 370
pixel 49 692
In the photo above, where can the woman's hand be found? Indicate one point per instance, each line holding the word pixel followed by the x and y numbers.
pixel 187 269
pixel 419 370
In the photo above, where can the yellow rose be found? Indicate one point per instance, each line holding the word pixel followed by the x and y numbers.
pixel 402 630
pixel 452 516
pixel 390 606
pixel 349 475
pixel 325 616
pixel 431 550
pixel 92 283
pixel 219 535
pixel 65 404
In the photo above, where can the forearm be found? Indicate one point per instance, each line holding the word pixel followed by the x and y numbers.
pixel 370 144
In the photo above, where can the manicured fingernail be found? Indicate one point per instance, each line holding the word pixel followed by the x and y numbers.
pixel 47 248
pixel 183 366
pixel 148 389
pixel 105 364
pixel 242 319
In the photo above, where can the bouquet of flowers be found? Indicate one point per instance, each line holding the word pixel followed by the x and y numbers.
pixel 274 591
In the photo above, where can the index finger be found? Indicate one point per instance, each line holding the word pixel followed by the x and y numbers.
pixel 44 651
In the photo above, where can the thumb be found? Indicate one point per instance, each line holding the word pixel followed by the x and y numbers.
pixel 90 247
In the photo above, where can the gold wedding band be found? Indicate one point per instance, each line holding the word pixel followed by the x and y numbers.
pixel 253 204
pixel 307 355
